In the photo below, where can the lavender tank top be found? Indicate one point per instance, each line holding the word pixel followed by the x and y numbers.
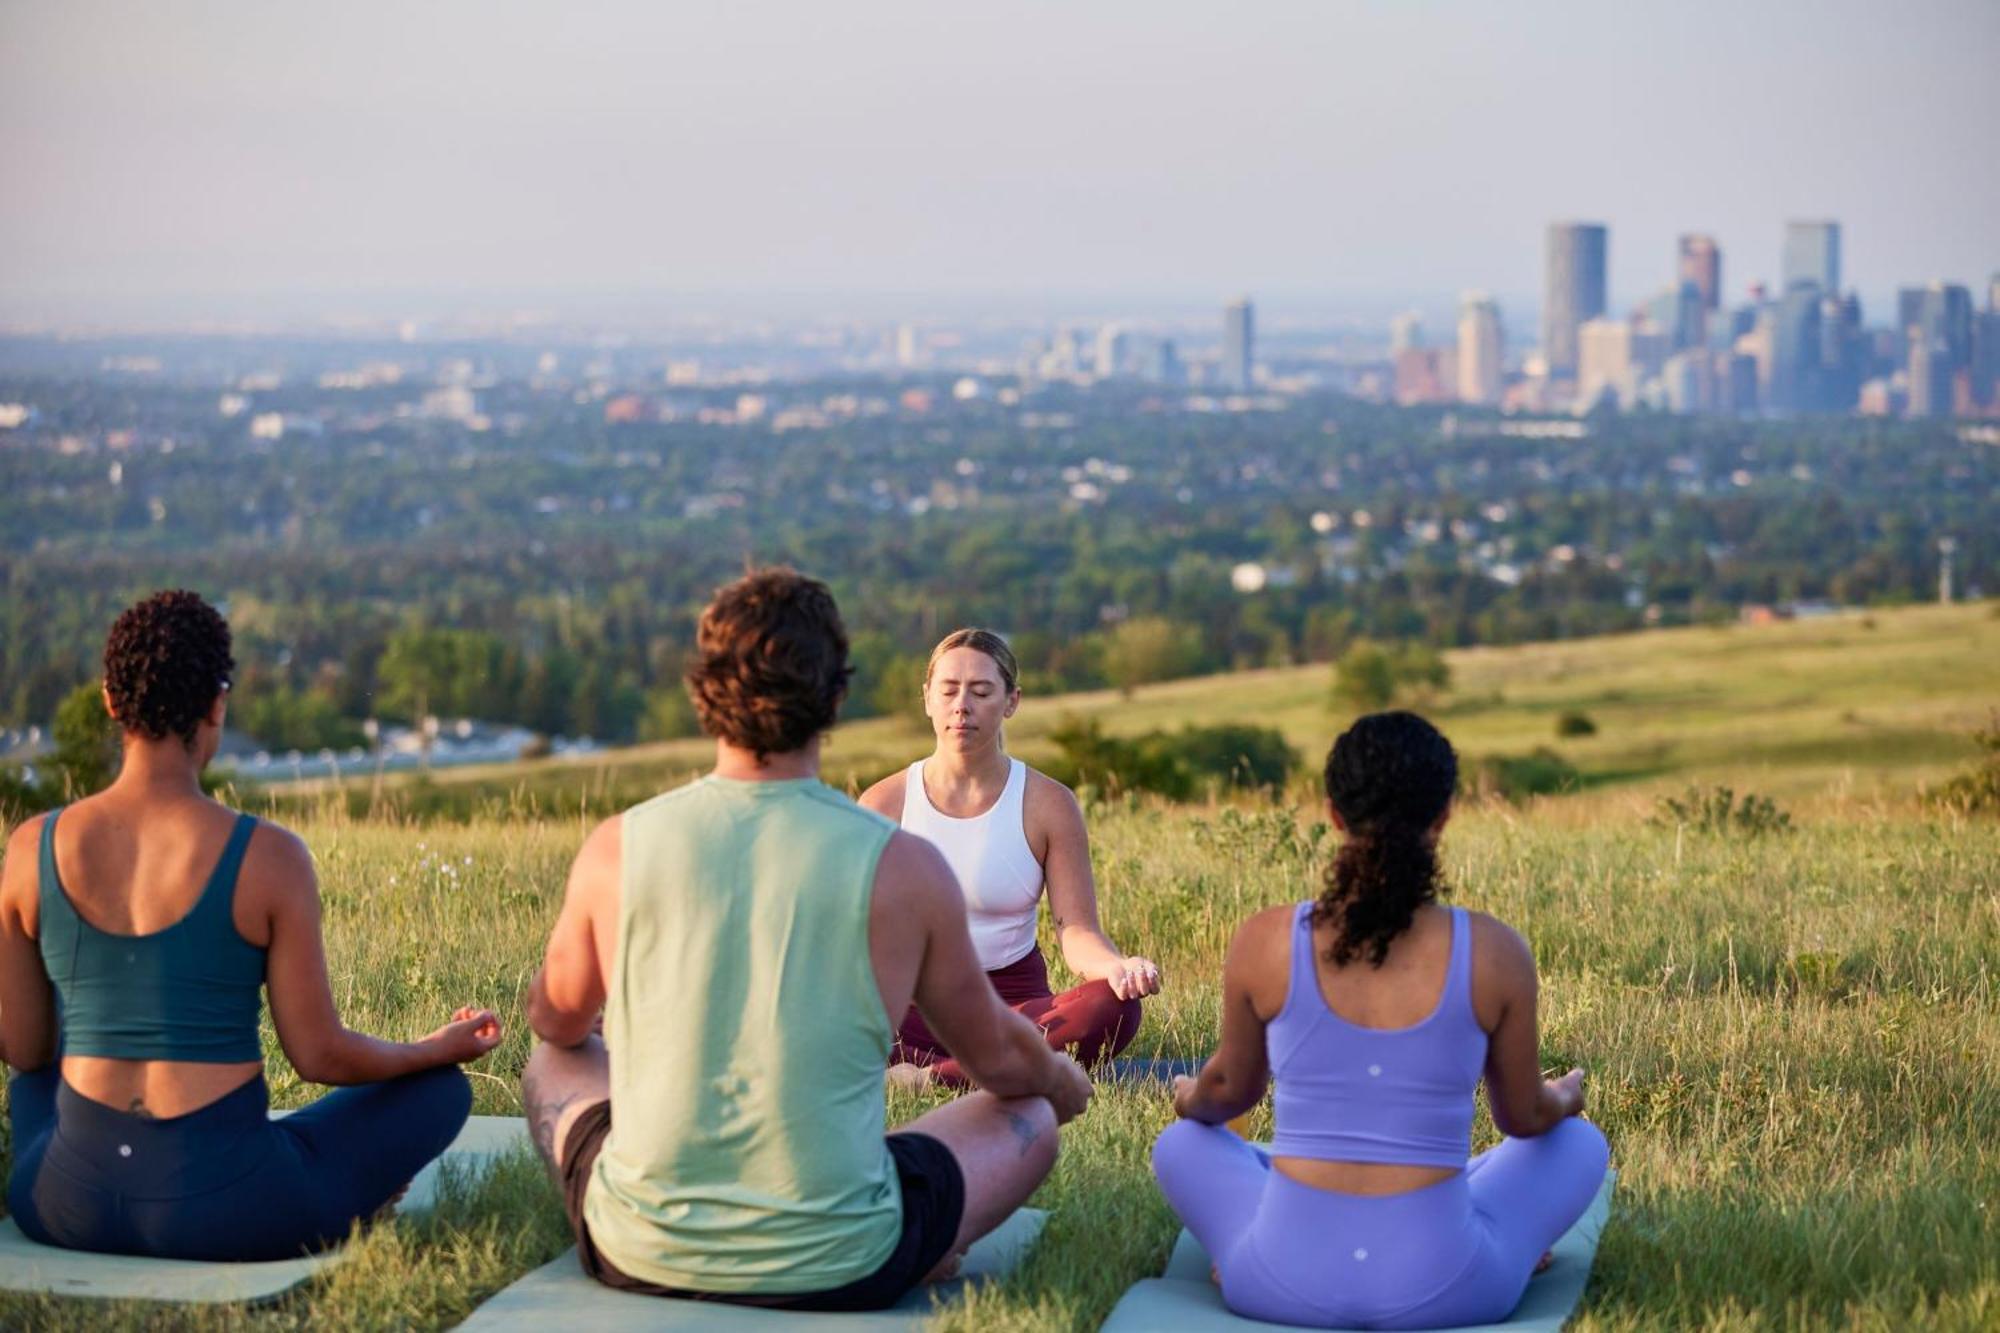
pixel 1396 1096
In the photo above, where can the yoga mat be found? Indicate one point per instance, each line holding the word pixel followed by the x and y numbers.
pixel 559 1296
pixel 1136 1070
pixel 1185 1300
pixel 26 1266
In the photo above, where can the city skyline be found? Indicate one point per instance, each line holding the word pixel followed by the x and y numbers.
pixel 212 160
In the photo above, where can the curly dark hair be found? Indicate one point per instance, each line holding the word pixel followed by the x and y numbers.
pixel 770 662
pixel 165 661
pixel 1390 776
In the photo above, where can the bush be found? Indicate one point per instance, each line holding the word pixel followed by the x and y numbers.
pixel 1574 722
pixel 1150 648
pixel 1176 765
pixel 1976 792
pixel 1243 757
pixel 1369 676
pixel 1514 778
pixel 86 754
pixel 1717 810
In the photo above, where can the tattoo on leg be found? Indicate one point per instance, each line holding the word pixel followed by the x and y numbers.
pixel 138 1108
pixel 543 1115
pixel 1024 1129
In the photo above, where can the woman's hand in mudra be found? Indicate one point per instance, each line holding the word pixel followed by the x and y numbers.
pixel 470 1034
pixel 1132 978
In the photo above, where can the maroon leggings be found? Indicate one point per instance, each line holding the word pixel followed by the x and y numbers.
pixel 1090 1022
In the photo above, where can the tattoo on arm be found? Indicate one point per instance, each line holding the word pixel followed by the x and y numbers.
pixel 1024 1129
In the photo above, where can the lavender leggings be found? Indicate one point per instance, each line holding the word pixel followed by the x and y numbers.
pixel 1457 1252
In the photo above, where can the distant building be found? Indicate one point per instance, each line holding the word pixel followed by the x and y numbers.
pixel 1930 377
pixel 1812 254
pixel 1575 292
pixel 1405 332
pixel 1425 375
pixel 1166 367
pixel 1480 349
pixel 909 346
pixel 1111 351
pixel 1795 354
pixel 1604 361
pixel 1701 264
pixel 1239 352
pixel 1986 359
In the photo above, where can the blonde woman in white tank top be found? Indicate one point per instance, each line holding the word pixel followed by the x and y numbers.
pixel 1009 833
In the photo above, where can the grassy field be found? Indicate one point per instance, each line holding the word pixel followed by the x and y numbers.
pixel 1849 707
pixel 1793 1040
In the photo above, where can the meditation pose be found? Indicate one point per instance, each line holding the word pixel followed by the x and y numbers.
pixel 137 927
pixel 1375 1011
pixel 748 939
pixel 1007 832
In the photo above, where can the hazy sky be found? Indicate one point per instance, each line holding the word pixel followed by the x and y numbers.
pixel 177 158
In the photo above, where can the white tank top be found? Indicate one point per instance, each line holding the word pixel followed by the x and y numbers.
pixel 996 869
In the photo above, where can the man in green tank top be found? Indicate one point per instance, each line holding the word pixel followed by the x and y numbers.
pixel 749 941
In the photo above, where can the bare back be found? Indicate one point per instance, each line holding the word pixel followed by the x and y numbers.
pixel 133 868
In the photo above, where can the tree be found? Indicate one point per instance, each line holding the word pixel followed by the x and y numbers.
pixel 1149 648
pixel 1364 679
pixel 86 737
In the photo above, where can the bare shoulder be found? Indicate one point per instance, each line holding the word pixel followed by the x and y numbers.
pixel 1499 951
pixel 21 843
pixel 1262 930
pixel 910 873
pixel 19 874
pixel 278 861
pixel 600 859
pixel 886 796
pixel 1046 799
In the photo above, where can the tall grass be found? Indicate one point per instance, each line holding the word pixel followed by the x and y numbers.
pixel 1792 1042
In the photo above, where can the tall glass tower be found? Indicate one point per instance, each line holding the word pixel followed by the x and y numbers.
pixel 1812 254
pixel 1576 257
pixel 1238 343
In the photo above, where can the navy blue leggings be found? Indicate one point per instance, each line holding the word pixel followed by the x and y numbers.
pixel 224 1182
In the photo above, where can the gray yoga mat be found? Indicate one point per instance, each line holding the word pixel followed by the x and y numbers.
pixel 26 1266
pixel 1185 1300
pixel 559 1296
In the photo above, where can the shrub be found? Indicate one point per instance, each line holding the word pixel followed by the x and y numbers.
pixel 1369 676
pixel 1717 810
pixel 1976 791
pixel 1574 722
pixel 1176 765
pixel 1514 778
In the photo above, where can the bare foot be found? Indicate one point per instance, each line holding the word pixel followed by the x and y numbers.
pixel 947 1267
pixel 1543 1264
pixel 910 1077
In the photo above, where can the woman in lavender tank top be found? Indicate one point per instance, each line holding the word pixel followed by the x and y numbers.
pixel 1375 1011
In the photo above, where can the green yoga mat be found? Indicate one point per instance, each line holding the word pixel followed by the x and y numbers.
pixel 26 1266
pixel 1184 1300
pixel 559 1296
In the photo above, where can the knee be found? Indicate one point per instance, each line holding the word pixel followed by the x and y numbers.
pixel 1178 1148
pixel 1583 1143
pixel 1033 1120
pixel 445 1094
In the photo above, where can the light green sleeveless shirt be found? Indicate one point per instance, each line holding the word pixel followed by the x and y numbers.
pixel 748 1043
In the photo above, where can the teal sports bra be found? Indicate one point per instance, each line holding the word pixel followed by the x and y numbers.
pixel 188 992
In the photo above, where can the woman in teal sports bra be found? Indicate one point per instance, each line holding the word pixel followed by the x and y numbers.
pixel 137 927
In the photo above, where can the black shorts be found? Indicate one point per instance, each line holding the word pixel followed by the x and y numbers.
pixel 933 1203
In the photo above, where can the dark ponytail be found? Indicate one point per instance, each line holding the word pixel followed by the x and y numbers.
pixel 1390 776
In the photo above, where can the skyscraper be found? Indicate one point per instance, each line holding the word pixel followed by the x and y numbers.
pixel 1604 354
pixel 1812 254
pixel 1479 349
pixel 1575 293
pixel 1701 264
pixel 1238 343
pixel 1405 332
pixel 1795 353
pixel 1111 351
